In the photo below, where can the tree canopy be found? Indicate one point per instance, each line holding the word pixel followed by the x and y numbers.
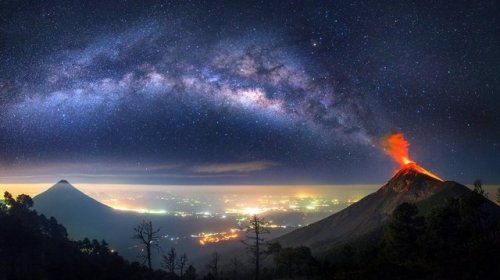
pixel 33 246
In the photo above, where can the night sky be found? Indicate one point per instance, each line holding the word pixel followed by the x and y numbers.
pixel 268 92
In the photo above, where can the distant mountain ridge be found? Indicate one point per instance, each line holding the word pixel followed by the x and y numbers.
pixel 68 194
pixel 84 216
pixel 65 202
pixel 372 212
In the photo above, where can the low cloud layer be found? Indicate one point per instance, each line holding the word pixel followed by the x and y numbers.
pixel 238 167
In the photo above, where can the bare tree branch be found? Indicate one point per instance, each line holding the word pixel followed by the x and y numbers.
pixel 148 236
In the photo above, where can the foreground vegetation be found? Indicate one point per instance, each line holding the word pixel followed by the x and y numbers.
pixel 457 240
pixel 35 247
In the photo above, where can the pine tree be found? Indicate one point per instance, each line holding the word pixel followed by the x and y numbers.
pixel 254 241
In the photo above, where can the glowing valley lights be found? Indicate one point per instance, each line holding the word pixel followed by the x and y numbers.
pixel 396 146
pixel 248 211
pixel 143 210
pixel 205 238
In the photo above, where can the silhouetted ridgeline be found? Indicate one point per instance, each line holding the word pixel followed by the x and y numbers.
pixel 414 227
pixel 457 236
pixel 35 247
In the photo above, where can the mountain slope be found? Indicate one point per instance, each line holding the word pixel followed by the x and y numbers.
pixel 82 215
pixel 85 217
pixel 372 212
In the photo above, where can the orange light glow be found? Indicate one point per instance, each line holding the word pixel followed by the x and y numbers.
pixel 206 238
pixel 396 146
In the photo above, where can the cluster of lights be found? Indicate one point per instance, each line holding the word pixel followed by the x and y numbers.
pixel 248 211
pixel 207 238
pixel 143 210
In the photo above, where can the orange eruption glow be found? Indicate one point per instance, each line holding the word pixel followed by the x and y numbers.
pixel 396 146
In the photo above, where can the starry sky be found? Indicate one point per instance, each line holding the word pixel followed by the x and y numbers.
pixel 247 92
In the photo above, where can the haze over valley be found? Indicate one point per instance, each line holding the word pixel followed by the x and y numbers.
pixel 249 140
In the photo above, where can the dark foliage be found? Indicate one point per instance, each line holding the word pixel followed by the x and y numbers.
pixel 254 241
pixel 457 240
pixel 35 247
pixel 290 262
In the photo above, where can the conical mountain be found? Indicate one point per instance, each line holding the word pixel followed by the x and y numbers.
pixel 82 215
pixel 369 215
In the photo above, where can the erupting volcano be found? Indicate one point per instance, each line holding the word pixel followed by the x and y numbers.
pixel 396 146
pixel 365 220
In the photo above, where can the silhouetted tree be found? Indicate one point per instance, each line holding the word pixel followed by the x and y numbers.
pixel 8 200
pixel 24 201
pixel 291 261
pixel 170 261
pixel 19 206
pixel 402 235
pixel 52 228
pixel 478 188
pixel 461 238
pixel 235 268
pixel 457 239
pixel 181 264
pixel 254 241
pixel 190 273
pixel 35 247
pixel 148 236
pixel 213 266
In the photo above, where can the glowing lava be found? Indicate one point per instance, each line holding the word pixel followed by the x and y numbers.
pixel 396 146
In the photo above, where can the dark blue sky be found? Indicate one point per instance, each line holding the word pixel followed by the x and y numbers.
pixel 221 92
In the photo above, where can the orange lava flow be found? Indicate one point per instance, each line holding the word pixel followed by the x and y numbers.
pixel 396 146
pixel 420 169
